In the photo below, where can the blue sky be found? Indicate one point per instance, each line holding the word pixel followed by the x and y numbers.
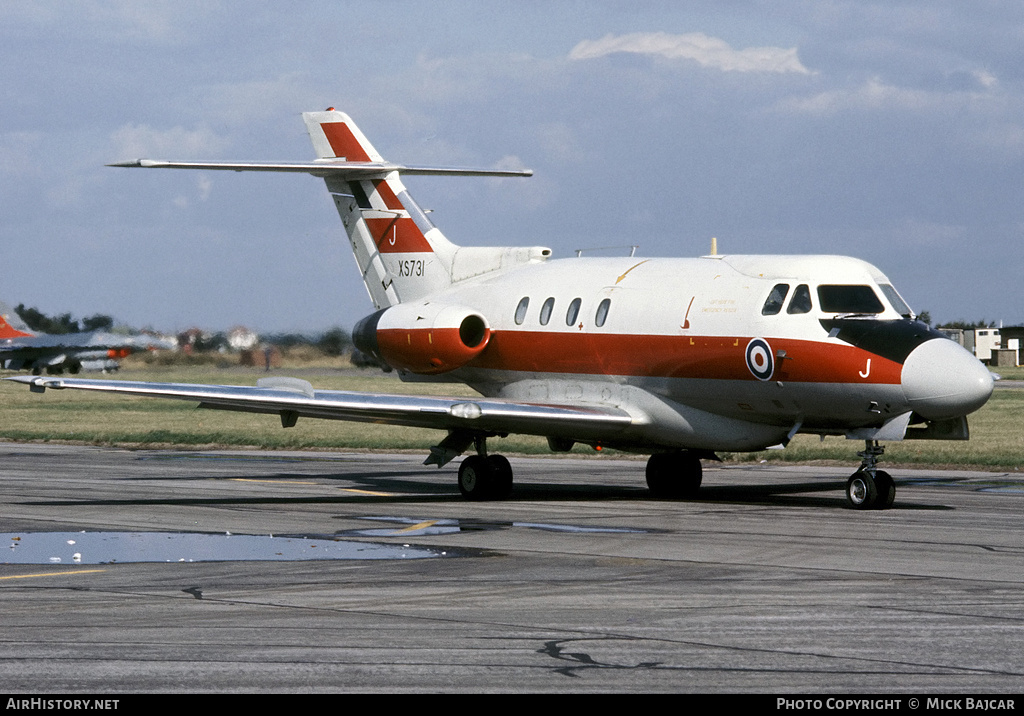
pixel 890 131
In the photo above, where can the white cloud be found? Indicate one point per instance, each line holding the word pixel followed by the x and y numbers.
pixel 205 185
pixel 558 141
pixel 708 51
pixel 875 94
pixel 19 153
pixel 517 194
pixel 509 162
pixel 160 21
pixel 1005 137
pixel 926 234
pixel 985 78
pixel 243 103
pixel 136 141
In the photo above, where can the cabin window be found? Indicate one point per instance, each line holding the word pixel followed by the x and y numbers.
pixel 773 304
pixel 849 299
pixel 524 304
pixel 602 312
pixel 801 301
pixel 545 311
pixel 574 311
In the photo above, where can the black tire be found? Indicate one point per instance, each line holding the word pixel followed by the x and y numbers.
pixel 691 475
pixel 674 475
pixel 861 491
pixel 658 478
pixel 502 484
pixel 886 488
pixel 476 478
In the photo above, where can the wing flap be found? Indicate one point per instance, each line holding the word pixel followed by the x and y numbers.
pixel 292 400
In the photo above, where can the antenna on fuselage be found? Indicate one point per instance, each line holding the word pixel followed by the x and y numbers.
pixel 632 249
pixel 714 246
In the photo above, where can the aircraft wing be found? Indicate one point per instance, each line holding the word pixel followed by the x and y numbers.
pixel 292 398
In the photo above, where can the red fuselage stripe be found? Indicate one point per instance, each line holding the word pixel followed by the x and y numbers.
pixel 711 357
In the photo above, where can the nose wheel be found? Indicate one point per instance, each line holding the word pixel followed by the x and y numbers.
pixel 870 488
pixel 674 475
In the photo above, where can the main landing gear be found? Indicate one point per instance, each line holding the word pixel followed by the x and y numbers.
pixel 870 488
pixel 485 477
pixel 674 474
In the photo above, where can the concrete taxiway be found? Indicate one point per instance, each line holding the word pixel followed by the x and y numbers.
pixel 579 582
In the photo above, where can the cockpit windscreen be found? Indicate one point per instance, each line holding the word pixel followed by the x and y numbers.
pixel 849 299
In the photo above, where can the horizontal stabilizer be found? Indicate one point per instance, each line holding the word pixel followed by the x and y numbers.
pixel 340 169
pixel 387 231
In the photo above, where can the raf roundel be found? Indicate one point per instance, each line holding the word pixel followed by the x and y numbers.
pixel 759 359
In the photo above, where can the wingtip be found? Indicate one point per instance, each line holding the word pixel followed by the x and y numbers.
pixel 35 383
pixel 137 163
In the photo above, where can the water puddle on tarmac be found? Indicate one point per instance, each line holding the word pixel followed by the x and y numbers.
pixel 412 526
pixel 1010 484
pixel 114 547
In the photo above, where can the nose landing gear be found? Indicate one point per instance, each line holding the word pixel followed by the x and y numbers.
pixel 870 488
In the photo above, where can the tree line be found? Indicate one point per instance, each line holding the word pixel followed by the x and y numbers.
pixel 62 324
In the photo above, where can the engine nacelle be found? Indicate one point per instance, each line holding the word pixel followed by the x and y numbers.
pixel 427 338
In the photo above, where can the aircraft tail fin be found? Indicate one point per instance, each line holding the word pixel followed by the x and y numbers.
pixel 401 255
pixel 336 136
pixel 9 331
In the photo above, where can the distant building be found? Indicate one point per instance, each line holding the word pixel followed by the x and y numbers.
pixel 241 338
pixel 1012 338
pixel 985 342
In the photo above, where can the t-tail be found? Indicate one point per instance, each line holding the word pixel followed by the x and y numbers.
pixel 401 255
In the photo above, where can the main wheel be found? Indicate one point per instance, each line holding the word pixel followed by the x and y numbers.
pixel 673 474
pixel 861 491
pixel 886 488
pixel 476 478
pixel 502 486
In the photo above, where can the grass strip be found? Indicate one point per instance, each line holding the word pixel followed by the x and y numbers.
pixel 997 430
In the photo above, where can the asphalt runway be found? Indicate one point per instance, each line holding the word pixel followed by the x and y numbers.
pixel 578 583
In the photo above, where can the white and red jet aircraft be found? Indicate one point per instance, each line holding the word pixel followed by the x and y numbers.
pixel 678 358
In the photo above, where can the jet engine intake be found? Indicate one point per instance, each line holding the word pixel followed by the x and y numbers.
pixel 423 338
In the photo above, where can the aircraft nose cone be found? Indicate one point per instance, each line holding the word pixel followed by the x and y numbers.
pixel 942 380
